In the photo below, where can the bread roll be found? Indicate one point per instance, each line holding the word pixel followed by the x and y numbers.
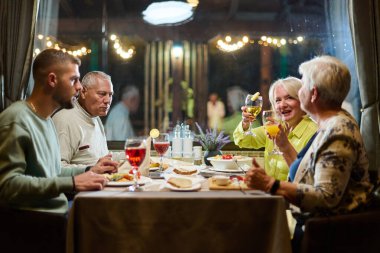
pixel 180 182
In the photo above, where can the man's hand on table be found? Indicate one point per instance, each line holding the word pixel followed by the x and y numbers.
pixel 105 165
pixel 89 181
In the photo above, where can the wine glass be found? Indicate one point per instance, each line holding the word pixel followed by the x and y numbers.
pixel 135 150
pixel 271 122
pixel 161 144
pixel 254 108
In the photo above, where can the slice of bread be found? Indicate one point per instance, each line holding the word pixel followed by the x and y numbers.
pixel 180 182
pixel 184 172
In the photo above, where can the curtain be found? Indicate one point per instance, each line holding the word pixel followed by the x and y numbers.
pixel 46 25
pixel 18 20
pixel 340 45
pixel 365 27
pixel 171 82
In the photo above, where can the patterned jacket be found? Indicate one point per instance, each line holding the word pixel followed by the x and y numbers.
pixel 333 175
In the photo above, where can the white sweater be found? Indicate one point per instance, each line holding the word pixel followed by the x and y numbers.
pixel 82 138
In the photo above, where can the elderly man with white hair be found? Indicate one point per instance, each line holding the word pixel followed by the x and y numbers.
pixel 118 124
pixel 80 130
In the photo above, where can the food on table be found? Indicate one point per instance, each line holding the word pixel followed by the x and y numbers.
pixel 119 177
pixel 221 180
pixel 180 182
pixel 239 178
pixel 153 165
pixel 156 165
pixel 255 96
pixel 154 133
pixel 184 172
pixel 228 157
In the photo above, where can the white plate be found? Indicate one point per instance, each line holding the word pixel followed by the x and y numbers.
pixel 143 180
pixel 186 168
pixel 194 187
pixel 230 164
pixel 228 170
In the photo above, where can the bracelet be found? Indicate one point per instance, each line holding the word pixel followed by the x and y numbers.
pixel 74 188
pixel 274 187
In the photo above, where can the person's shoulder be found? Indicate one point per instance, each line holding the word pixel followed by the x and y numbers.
pixel 343 124
pixel 15 112
pixel 67 116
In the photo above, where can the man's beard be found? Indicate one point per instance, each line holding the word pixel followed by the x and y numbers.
pixel 66 104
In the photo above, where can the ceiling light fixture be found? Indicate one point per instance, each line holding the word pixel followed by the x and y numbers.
pixel 168 13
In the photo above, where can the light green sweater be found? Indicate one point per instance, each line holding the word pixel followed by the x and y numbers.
pixel 30 171
pixel 276 166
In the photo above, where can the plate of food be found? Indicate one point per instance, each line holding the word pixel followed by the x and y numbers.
pixel 230 163
pixel 125 179
pixel 186 170
pixel 182 183
pixel 154 166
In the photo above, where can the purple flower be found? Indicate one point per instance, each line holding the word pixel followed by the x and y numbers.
pixel 211 140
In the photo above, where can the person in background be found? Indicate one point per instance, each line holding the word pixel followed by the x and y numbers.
pixel 332 177
pixel 283 95
pixel 80 131
pixel 31 177
pixel 118 124
pixel 235 99
pixel 215 111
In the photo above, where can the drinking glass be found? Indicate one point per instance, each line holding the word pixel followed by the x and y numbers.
pixel 161 145
pixel 271 122
pixel 254 108
pixel 135 150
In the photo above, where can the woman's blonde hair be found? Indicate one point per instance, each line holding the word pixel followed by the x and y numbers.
pixel 330 76
pixel 290 84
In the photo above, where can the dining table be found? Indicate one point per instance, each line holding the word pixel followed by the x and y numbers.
pixel 158 219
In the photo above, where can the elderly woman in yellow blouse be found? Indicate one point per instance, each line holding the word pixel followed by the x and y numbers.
pixel 283 95
pixel 332 177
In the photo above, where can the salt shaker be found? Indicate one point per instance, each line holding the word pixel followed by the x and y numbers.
pixel 197 150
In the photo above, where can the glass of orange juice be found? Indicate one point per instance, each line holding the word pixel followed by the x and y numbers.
pixel 271 125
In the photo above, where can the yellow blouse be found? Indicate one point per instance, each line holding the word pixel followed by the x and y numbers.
pixel 275 165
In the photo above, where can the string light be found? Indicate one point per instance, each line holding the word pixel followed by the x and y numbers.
pixel 120 49
pixel 227 45
pixel 44 42
pixel 279 42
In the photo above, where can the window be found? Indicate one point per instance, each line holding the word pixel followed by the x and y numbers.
pixel 279 36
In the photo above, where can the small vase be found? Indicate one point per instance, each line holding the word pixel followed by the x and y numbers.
pixel 210 153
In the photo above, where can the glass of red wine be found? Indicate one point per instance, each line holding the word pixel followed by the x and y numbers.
pixel 135 150
pixel 161 144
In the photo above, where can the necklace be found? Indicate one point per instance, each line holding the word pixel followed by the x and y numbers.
pixel 32 106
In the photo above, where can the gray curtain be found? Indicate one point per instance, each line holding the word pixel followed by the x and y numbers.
pixel 46 25
pixel 365 27
pixel 17 19
pixel 340 45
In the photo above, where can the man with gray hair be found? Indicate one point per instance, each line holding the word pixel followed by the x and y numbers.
pixel 80 131
pixel 118 124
